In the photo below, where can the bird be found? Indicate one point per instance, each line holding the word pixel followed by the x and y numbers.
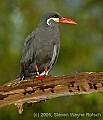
pixel 41 48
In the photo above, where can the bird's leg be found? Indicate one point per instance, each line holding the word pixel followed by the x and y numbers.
pixel 46 72
pixel 38 77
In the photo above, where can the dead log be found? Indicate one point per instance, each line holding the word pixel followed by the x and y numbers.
pixel 18 92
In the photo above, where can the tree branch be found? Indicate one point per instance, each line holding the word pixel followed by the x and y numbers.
pixel 18 92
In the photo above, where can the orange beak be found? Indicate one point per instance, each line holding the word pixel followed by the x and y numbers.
pixel 67 21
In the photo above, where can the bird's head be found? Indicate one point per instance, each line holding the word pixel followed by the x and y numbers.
pixel 54 18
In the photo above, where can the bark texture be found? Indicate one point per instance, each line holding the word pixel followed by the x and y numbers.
pixel 18 92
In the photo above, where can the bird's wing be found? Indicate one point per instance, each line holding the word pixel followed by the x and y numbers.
pixel 28 53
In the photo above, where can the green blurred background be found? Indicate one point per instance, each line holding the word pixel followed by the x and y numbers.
pixel 81 50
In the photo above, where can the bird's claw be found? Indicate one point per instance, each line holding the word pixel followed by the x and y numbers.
pixel 39 77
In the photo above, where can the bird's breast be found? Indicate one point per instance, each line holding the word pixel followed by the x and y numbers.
pixel 48 34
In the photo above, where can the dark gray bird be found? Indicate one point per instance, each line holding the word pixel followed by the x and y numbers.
pixel 41 47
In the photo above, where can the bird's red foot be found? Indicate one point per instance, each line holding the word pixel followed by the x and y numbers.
pixel 38 77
